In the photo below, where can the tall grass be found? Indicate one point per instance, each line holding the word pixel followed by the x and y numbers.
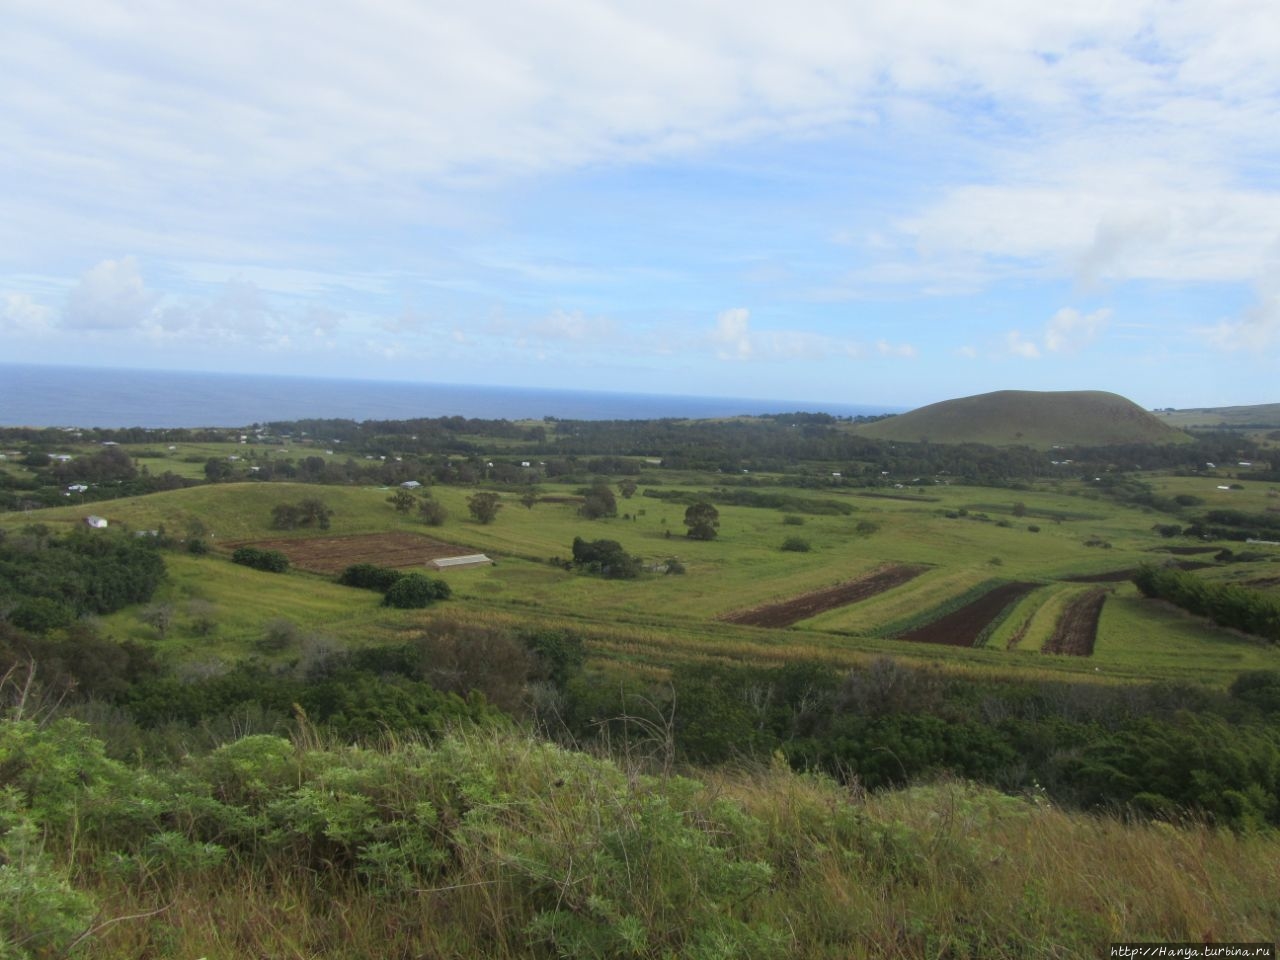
pixel 517 849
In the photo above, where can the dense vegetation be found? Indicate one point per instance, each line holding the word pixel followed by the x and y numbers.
pixel 1225 604
pixel 611 765
pixel 46 581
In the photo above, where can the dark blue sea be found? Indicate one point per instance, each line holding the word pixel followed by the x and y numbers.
pixel 37 396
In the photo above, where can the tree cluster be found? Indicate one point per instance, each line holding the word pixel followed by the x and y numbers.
pixel 310 512
pixel 1227 605
pixel 47 581
pixel 271 561
pixel 606 558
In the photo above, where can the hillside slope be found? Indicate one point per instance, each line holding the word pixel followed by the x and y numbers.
pixel 1034 418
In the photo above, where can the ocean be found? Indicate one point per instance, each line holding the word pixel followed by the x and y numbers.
pixel 45 396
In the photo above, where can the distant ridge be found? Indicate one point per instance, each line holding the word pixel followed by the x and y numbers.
pixel 1033 418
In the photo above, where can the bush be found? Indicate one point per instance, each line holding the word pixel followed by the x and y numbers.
pixel 793 520
pixel 1033 528
pixel 414 591
pixel 272 561
pixel 369 576
pixel 796 545
pixel 431 513
pixel 605 557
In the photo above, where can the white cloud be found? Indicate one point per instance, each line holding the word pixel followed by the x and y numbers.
pixel 1257 330
pixel 888 349
pixel 19 313
pixel 968 352
pixel 574 327
pixel 111 296
pixel 1069 330
pixel 732 338
pixel 1019 346
pixel 732 334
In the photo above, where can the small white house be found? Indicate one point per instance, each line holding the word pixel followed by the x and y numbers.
pixel 411 485
pixel 77 488
pixel 98 523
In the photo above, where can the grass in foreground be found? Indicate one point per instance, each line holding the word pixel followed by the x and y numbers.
pixel 499 845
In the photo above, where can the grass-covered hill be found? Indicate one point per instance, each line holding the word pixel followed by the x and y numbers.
pixel 1258 415
pixel 1033 418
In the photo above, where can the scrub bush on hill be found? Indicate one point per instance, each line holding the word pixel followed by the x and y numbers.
pixel 85 572
pixel 272 561
pixel 606 558
pixel 414 591
pixel 370 576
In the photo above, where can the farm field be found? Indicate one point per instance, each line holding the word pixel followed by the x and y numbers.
pixel 840 602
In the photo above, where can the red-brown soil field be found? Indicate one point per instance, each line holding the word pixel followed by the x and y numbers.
pixel 787 612
pixel 1077 628
pixel 961 628
pixel 335 554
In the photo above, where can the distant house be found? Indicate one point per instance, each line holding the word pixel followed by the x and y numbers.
pixel 98 523
pixel 411 485
pixel 77 488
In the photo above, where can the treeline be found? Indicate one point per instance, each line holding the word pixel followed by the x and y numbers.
pixel 1227 605
pixel 1159 750
pixel 753 498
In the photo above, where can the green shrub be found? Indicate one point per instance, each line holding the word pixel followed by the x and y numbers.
pixel 370 576
pixel 414 591
pixel 272 561
pixel 796 545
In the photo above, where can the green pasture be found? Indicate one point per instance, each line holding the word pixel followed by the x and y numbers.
pixel 658 620
pixel 1255 496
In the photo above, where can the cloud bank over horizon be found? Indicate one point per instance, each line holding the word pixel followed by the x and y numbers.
pixel 846 201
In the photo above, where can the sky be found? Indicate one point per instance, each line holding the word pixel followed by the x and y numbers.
pixel 853 202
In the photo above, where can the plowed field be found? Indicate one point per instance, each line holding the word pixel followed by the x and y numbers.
pixel 808 605
pixel 961 628
pixel 1077 629
pixel 335 554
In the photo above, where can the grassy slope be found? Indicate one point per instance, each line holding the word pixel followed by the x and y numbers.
pixel 656 620
pixel 946 870
pixel 1261 413
pixel 1033 418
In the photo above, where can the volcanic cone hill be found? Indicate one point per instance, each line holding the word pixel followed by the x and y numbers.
pixel 1033 418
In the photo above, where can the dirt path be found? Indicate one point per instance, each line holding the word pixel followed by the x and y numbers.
pixel 335 554
pixel 808 605
pixel 961 628
pixel 1077 628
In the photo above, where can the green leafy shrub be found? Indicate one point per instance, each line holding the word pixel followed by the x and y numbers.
pixel 272 561
pixel 370 576
pixel 414 591
pixel 796 545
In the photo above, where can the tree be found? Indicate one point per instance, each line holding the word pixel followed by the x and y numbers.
pixel 627 488
pixel 314 510
pixel 484 507
pixel 160 616
pixel 702 519
pixel 402 500
pixel 605 557
pixel 432 513
pixel 529 498
pixel 285 516
pixel 414 591
pixel 599 502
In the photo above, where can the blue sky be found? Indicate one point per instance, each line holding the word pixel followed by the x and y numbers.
pixel 852 202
